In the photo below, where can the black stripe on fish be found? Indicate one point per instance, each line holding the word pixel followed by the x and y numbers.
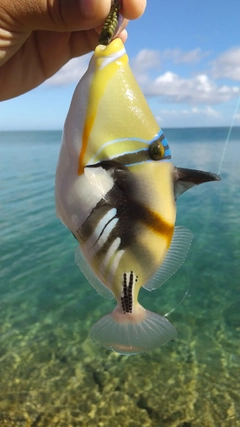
pixel 127 291
pixel 103 229
pixel 125 196
pixel 90 224
pixel 132 158
pixel 139 156
pixel 114 234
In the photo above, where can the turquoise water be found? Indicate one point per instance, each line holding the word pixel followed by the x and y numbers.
pixel 51 373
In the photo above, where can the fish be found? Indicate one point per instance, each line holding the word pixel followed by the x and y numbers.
pixel 116 190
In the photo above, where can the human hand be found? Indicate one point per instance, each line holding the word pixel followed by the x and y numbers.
pixel 38 37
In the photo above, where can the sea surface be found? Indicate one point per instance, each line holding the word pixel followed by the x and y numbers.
pixel 51 373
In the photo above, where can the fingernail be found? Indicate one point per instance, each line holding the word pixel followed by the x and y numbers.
pixel 119 26
pixel 88 8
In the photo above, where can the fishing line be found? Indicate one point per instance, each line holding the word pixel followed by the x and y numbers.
pixel 206 226
pixel 219 172
pixel 228 135
pixel 225 147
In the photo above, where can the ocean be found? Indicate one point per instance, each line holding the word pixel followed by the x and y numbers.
pixel 51 373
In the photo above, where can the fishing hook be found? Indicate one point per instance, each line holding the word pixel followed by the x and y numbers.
pixel 111 23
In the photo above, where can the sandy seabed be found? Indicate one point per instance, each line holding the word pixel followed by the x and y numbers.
pixel 50 378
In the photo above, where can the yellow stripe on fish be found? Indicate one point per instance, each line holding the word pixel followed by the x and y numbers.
pixel 106 63
pixel 107 104
pixel 115 191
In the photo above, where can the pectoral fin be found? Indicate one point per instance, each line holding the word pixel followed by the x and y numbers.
pixel 187 178
pixel 174 258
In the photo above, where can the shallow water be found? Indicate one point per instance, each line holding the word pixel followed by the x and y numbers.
pixel 51 373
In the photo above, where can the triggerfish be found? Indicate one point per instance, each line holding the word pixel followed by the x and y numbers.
pixel 116 189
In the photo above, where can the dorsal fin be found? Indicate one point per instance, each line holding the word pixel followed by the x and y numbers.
pixel 90 275
pixel 187 178
pixel 181 241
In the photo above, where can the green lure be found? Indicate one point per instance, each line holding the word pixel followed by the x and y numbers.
pixel 110 24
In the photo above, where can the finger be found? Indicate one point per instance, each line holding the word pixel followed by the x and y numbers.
pixel 62 15
pixel 53 15
pixel 133 9
pixel 123 35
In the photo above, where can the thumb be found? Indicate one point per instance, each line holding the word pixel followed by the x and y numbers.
pixel 53 15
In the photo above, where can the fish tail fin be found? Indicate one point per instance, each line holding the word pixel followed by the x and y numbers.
pixel 132 333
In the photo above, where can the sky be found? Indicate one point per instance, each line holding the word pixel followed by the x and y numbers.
pixel 185 56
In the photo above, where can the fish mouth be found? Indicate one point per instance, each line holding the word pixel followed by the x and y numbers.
pixel 114 52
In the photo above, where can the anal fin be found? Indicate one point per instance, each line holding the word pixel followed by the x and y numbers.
pixel 82 263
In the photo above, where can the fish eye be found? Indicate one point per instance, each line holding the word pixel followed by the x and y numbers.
pixel 156 150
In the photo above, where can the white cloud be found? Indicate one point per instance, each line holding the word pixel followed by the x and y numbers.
pixel 146 59
pixel 71 72
pixel 173 88
pixel 203 116
pixel 178 56
pixel 149 59
pixel 237 120
pixel 198 89
pixel 227 65
pixel 195 89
